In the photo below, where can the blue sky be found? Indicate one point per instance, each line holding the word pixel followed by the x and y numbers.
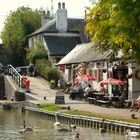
pixel 75 8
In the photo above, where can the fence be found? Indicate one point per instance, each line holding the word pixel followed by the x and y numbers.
pixel 15 75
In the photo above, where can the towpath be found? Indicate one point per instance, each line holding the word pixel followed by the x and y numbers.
pixel 40 88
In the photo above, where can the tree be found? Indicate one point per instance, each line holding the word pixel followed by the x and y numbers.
pixel 36 52
pixel 114 25
pixel 18 25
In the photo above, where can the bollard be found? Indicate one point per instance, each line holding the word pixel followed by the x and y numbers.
pixel 5 97
pixel 12 98
pixel 68 107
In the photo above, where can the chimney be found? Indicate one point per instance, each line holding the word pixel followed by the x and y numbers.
pixel 45 18
pixel 61 18
pixel 63 5
pixel 59 5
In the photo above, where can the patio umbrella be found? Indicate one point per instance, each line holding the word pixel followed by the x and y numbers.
pixel 111 81
pixel 86 77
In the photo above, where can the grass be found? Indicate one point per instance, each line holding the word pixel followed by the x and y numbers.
pixel 53 107
pixel 50 107
pixel 109 117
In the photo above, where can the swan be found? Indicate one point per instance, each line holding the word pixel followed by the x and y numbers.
pixel 57 123
pixel 132 134
pixel 22 131
pixel 102 130
pixel 64 129
pixel 26 129
pixel 73 126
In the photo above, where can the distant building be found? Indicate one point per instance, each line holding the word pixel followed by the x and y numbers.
pixel 60 35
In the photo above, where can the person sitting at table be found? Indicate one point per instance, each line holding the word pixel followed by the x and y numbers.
pixel 102 89
pixel 76 91
pixel 87 91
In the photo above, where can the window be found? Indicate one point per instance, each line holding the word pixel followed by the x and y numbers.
pixel 100 74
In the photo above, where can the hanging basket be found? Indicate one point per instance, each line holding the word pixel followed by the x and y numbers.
pixel 104 70
pixel 129 76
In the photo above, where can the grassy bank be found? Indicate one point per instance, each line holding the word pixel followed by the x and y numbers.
pixel 53 107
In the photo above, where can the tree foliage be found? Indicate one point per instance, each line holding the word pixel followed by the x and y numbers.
pixel 36 52
pixel 18 25
pixel 44 69
pixel 115 25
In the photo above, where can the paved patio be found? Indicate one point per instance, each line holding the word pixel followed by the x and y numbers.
pixel 40 89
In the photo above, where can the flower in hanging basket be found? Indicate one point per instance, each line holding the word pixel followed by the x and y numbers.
pixel 52 81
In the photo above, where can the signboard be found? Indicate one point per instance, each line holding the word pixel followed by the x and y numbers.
pixel 62 68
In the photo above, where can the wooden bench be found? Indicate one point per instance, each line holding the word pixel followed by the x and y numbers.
pixel 91 100
pixel 102 102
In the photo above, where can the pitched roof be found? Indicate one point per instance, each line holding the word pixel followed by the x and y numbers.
pixel 84 53
pixel 61 45
pixel 74 25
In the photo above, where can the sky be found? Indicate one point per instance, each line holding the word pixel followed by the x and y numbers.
pixel 75 8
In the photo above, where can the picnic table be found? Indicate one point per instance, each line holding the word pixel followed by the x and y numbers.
pixel 102 102
pixel 116 101
pixel 98 96
pixel 105 99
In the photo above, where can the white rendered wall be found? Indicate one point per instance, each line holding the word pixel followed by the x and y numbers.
pixel 134 84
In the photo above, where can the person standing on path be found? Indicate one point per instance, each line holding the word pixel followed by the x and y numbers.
pixel 61 84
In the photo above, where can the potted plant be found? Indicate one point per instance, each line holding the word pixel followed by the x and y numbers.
pixel 52 84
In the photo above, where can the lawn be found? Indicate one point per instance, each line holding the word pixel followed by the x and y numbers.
pixel 53 107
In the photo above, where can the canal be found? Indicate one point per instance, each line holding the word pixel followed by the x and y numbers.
pixel 11 121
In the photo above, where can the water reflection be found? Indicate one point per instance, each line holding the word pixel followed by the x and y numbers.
pixel 12 121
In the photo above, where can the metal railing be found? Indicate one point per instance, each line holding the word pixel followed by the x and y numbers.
pixel 17 78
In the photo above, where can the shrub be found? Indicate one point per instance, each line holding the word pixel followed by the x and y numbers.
pixel 52 73
pixel 36 52
pixel 47 71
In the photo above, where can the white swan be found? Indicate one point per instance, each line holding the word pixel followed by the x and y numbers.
pixel 57 123
pixel 64 129
pixel 73 126
pixel 22 131
pixel 132 134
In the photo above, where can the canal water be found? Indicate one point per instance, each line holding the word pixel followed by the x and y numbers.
pixel 11 121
